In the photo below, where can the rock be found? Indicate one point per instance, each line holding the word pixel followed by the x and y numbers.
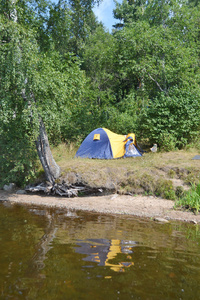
pixel 193 222
pixel 21 192
pixel 161 220
pixel 9 187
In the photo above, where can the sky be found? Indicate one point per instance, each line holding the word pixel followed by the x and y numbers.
pixel 104 13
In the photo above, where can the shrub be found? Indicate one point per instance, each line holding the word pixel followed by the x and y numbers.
pixel 171 121
pixel 18 161
pixel 179 192
pixel 164 188
pixel 191 200
pixel 167 142
pixel 147 182
pixel 120 122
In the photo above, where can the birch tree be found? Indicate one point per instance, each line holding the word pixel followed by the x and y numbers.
pixel 35 89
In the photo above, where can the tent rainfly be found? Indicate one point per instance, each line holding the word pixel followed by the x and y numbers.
pixel 102 143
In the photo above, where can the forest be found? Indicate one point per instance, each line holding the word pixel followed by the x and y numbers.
pixel 60 65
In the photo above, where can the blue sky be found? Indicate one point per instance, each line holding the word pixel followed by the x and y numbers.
pixel 104 13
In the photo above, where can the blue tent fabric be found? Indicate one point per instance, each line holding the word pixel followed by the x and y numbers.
pixel 91 148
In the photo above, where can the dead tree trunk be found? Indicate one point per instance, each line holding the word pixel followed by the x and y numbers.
pixel 51 169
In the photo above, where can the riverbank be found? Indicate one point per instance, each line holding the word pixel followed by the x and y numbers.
pixel 140 206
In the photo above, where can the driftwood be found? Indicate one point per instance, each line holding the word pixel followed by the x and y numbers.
pixel 62 190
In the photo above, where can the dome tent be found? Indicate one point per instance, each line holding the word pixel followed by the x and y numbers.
pixel 102 143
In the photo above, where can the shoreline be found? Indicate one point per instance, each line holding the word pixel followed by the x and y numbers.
pixel 114 204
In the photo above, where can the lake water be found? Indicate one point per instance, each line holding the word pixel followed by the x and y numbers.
pixel 61 254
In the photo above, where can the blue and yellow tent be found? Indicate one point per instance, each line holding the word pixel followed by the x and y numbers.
pixel 104 144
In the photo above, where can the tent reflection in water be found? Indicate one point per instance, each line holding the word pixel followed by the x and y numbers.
pixel 102 143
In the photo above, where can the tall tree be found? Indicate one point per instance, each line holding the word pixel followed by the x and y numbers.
pixel 34 87
pixel 152 54
pixel 59 26
pixel 128 11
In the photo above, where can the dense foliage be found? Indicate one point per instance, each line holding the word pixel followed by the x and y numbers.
pixel 173 120
pixel 59 63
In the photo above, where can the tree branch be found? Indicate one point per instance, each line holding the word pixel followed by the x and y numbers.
pixel 158 85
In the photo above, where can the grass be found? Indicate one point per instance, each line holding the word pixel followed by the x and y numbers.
pixel 153 173
pixel 191 200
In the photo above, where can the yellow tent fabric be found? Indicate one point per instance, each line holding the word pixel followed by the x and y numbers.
pixel 117 142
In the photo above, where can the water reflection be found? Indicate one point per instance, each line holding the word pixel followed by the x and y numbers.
pixel 105 252
pixel 44 244
pixel 59 254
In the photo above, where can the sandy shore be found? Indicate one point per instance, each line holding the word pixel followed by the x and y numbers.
pixel 140 206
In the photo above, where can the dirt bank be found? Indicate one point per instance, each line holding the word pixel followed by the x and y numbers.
pixel 141 206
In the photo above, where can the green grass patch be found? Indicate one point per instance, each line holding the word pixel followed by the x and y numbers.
pixel 191 200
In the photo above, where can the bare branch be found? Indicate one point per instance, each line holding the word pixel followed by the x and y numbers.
pixel 158 85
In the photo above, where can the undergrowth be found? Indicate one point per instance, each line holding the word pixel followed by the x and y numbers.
pixel 191 199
